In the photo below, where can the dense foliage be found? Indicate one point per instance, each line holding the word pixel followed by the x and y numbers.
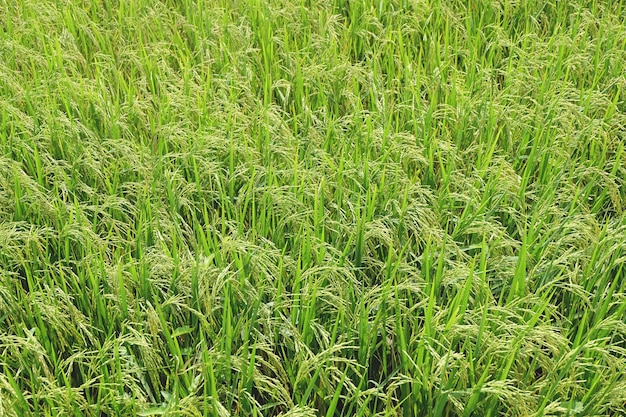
pixel 302 208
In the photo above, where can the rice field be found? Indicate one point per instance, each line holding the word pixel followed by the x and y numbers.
pixel 312 208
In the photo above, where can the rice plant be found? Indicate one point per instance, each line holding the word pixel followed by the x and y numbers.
pixel 302 208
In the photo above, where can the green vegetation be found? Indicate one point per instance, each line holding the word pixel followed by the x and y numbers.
pixel 303 208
